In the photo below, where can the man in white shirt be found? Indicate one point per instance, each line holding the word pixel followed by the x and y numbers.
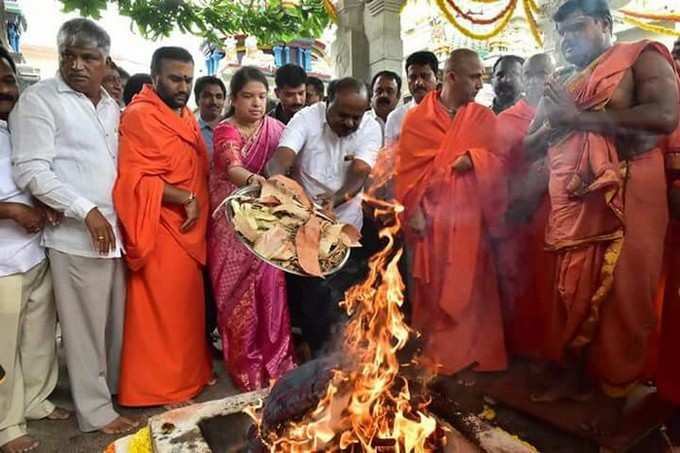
pixel 421 69
pixel 329 150
pixel 64 148
pixel 28 319
pixel 386 88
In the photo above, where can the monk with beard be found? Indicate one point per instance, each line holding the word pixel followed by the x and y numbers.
pixel 449 179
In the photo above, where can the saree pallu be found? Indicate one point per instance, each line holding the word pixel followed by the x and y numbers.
pixel 250 295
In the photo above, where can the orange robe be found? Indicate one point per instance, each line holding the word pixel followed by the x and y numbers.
pixel 525 268
pixel 668 372
pixel 607 224
pixel 165 355
pixel 456 305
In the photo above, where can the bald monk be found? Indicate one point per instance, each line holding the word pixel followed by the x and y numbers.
pixel 603 120
pixel 449 180
pixel 524 266
pixel 161 196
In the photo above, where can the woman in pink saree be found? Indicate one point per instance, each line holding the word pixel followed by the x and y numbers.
pixel 250 295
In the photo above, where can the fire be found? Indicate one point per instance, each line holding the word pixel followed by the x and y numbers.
pixel 367 405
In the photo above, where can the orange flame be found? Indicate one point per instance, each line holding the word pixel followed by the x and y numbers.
pixel 367 406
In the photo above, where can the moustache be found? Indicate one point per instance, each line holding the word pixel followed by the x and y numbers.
pixel 7 97
pixel 383 101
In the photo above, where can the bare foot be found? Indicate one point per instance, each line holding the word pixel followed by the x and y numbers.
pixel 59 413
pixel 21 444
pixel 173 406
pixel 121 425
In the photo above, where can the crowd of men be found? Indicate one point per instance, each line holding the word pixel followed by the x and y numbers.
pixel 544 225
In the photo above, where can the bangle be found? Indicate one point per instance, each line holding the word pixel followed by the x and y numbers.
pixel 249 179
pixel 190 199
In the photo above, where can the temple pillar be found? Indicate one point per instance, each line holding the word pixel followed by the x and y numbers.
pixel 350 48
pixel 382 24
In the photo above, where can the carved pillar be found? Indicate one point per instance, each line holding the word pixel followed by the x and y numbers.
pixel 350 48
pixel 382 24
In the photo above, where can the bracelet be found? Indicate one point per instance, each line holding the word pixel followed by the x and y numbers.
pixel 192 197
pixel 249 179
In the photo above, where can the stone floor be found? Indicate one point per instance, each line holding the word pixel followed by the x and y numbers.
pixel 64 436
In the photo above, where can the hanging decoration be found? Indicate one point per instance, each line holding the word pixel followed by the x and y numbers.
pixel 531 20
pixel 502 21
pixel 454 13
pixel 511 5
pixel 671 17
pixel 331 10
pixel 651 27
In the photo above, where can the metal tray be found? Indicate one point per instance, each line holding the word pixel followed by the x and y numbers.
pixel 254 191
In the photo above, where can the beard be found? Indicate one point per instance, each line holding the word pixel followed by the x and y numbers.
pixel 173 100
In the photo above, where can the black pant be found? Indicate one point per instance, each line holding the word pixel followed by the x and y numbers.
pixel 314 303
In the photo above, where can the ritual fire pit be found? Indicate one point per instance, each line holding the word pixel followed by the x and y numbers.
pixel 356 400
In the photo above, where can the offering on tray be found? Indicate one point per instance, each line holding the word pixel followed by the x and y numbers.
pixel 280 224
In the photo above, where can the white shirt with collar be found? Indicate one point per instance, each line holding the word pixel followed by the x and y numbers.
pixel 19 251
pixel 380 122
pixel 64 151
pixel 323 158
pixel 394 122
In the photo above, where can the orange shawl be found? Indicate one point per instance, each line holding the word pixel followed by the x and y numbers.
pixel 159 147
pixel 455 294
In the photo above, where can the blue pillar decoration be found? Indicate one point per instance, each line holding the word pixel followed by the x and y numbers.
pixel 278 56
pixel 286 55
pixel 300 57
pixel 308 60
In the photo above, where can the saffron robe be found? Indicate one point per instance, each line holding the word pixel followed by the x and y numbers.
pixel 668 372
pixel 607 224
pixel 525 268
pixel 165 356
pixel 456 305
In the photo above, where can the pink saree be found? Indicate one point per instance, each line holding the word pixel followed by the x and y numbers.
pixel 250 295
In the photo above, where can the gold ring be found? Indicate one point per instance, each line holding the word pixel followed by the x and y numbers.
pixel 100 237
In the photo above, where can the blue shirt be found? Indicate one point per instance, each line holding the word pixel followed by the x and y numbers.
pixel 207 133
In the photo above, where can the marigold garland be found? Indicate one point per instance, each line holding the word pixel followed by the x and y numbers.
pixel 470 34
pixel 491 20
pixel 531 20
pixel 650 27
pixel 652 16
pixel 533 7
pixel 331 10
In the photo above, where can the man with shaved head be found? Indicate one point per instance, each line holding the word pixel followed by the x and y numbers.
pixel 521 258
pixel 603 120
pixel 329 149
pixel 449 179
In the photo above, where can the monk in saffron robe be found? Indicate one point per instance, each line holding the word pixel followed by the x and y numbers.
pixel 608 199
pixel 668 373
pixel 449 181
pixel 162 201
pixel 524 267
